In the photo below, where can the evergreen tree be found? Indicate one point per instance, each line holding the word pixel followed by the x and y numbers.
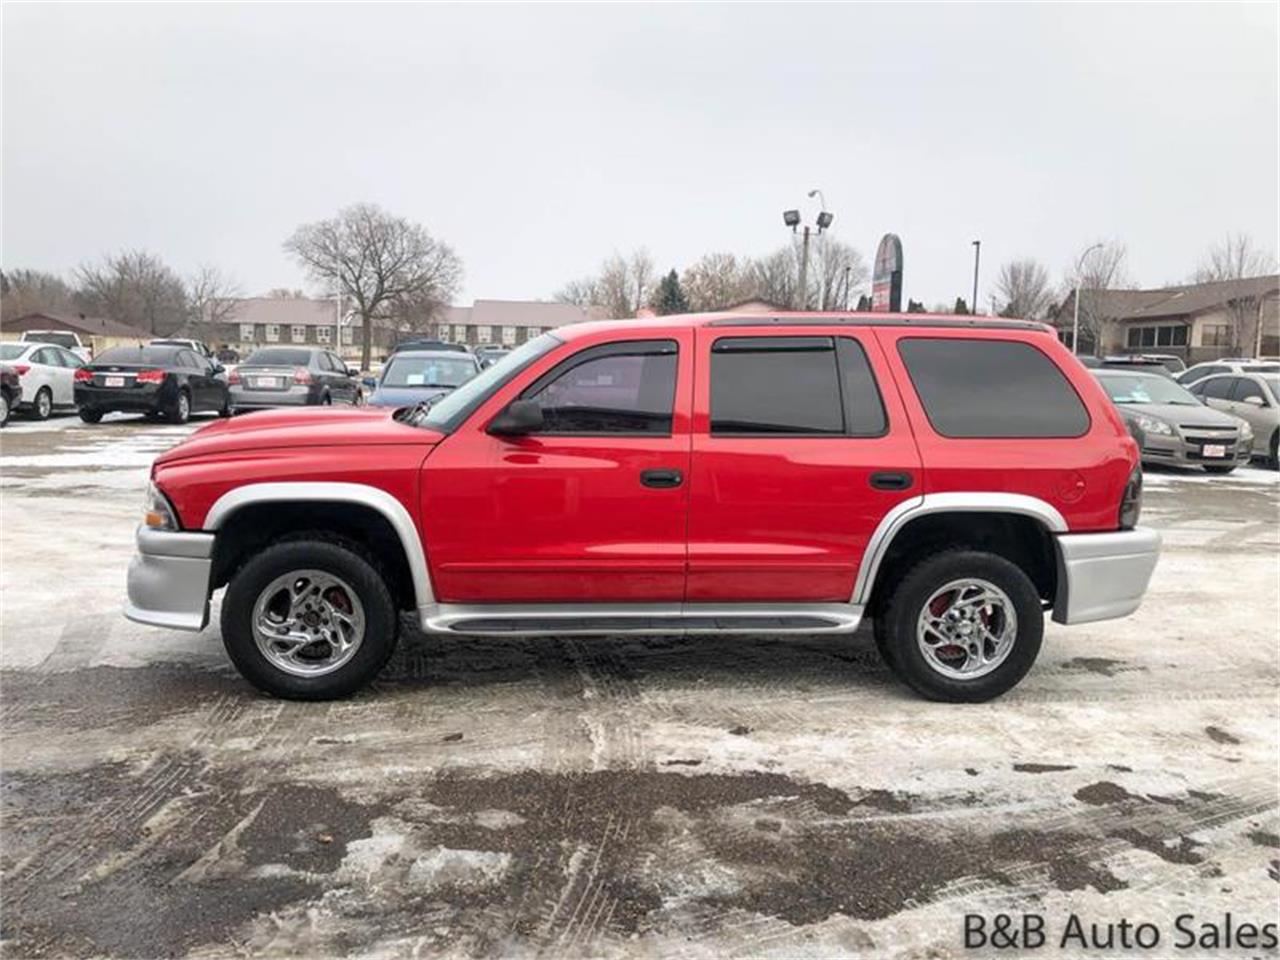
pixel 864 304
pixel 915 306
pixel 669 297
pixel 961 307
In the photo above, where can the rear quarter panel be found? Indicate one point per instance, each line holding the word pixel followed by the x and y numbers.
pixel 1082 477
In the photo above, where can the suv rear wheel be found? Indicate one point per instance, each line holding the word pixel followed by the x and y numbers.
pixel 309 619
pixel 962 626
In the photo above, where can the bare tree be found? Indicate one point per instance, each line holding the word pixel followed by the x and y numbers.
pixel 211 296
pixel 134 287
pixel 838 271
pixel 285 293
pixel 621 286
pixel 376 260
pixel 1238 257
pixel 775 277
pixel 1023 289
pixel 715 281
pixel 32 291
pixel 1090 273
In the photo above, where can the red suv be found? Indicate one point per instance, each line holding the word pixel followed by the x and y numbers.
pixel 953 479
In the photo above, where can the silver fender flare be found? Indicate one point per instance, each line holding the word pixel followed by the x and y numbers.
pixel 909 510
pixel 356 493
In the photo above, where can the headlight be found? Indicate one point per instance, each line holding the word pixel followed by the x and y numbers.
pixel 1246 432
pixel 156 511
pixel 1152 425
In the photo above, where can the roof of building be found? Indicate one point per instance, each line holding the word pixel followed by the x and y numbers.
pixel 521 313
pixel 1173 301
pixel 79 323
pixel 284 311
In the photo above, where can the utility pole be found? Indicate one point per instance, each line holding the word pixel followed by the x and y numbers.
pixel 1075 318
pixel 337 325
pixel 977 251
pixel 847 268
pixel 804 270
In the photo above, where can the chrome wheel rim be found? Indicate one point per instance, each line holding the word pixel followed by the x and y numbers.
pixel 967 628
pixel 308 623
pixel 44 403
pixel 184 406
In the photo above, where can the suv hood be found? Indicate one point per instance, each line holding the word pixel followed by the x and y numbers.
pixel 1184 416
pixel 308 427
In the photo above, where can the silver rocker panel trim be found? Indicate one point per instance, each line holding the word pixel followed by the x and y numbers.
pixel 909 510
pixel 562 619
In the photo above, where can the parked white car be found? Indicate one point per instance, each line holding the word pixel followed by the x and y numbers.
pixel 47 374
pixel 1227 365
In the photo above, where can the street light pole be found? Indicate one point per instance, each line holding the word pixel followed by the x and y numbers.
pixel 1075 318
pixel 804 270
pixel 977 250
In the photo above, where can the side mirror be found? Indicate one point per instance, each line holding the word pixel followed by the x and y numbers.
pixel 1255 401
pixel 520 417
pixel 218 368
pixel 352 372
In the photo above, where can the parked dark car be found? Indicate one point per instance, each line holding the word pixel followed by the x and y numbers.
pixel 412 376
pixel 167 381
pixel 428 343
pixel 489 357
pixel 10 392
pixel 293 377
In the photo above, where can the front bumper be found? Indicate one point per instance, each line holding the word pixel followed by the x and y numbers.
pixel 169 579
pixel 1102 576
pixel 1187 451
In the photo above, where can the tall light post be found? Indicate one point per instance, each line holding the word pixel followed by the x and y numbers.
pixel 791 218
pixel 977 250
pixel 1075 318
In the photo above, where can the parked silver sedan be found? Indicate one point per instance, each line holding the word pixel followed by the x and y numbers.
pixel 1254 398
pixel 1176 428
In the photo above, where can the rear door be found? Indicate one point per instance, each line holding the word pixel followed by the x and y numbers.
pixel 800 447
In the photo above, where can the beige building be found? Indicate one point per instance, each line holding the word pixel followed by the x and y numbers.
pixel 97 333
pixel 1201 321
pixel 508 323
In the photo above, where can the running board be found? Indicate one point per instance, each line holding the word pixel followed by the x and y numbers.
pixel 602 619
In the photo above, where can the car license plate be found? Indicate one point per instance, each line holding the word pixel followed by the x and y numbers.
pixel 113 382
pixel 266 381
pixel 1215 450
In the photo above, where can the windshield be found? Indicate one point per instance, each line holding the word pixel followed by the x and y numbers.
pixel 160 355
pixel 278 357
pixel 446 414
pixel 12 351
pixel 402 371
pixel 1145 388
pixel 59 339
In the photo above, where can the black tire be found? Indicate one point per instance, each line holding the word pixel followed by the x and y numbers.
pixel 42 406
pixel 227 409
pixel 6 407
pixel 90 414
pixel 180 410
pixel 1274 463
pixel 310 552
pixel 326 401
pixel 1220 468
pixel 896 628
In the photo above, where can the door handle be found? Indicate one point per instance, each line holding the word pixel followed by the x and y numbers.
pixel 661 478
pixel 891 481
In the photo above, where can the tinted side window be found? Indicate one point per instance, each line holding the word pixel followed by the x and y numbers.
pixel 863 408
pixel 1219 388
pixel 620 388
pixel 775 385
pixel 992 388
pixel 1246 388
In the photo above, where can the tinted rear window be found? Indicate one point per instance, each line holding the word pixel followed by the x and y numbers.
pixel 278 356
pixel 157 355
pixel 992 388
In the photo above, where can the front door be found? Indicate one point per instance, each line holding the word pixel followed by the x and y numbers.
pixel 800 447
pixel 589 508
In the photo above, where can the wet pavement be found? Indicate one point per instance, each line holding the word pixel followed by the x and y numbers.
pixel 618 797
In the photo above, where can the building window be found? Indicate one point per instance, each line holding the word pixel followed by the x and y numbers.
pixel 1215 335
pixel 509 336
pixel 459 333
pixel 298 333
pixel 246 332
pixel 324 334
pixel 1163 336
pixel 484 334
pixel 531 332
pixel 273 331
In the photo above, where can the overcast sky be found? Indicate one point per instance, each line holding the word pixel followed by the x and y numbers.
pixel 538 139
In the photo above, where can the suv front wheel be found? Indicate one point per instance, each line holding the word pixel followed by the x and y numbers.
pixel 309 619
pixel 962 626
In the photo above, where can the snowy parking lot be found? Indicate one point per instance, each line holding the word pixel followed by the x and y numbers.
pixel 659 796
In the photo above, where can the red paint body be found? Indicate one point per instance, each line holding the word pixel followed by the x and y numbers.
pixel 547 518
